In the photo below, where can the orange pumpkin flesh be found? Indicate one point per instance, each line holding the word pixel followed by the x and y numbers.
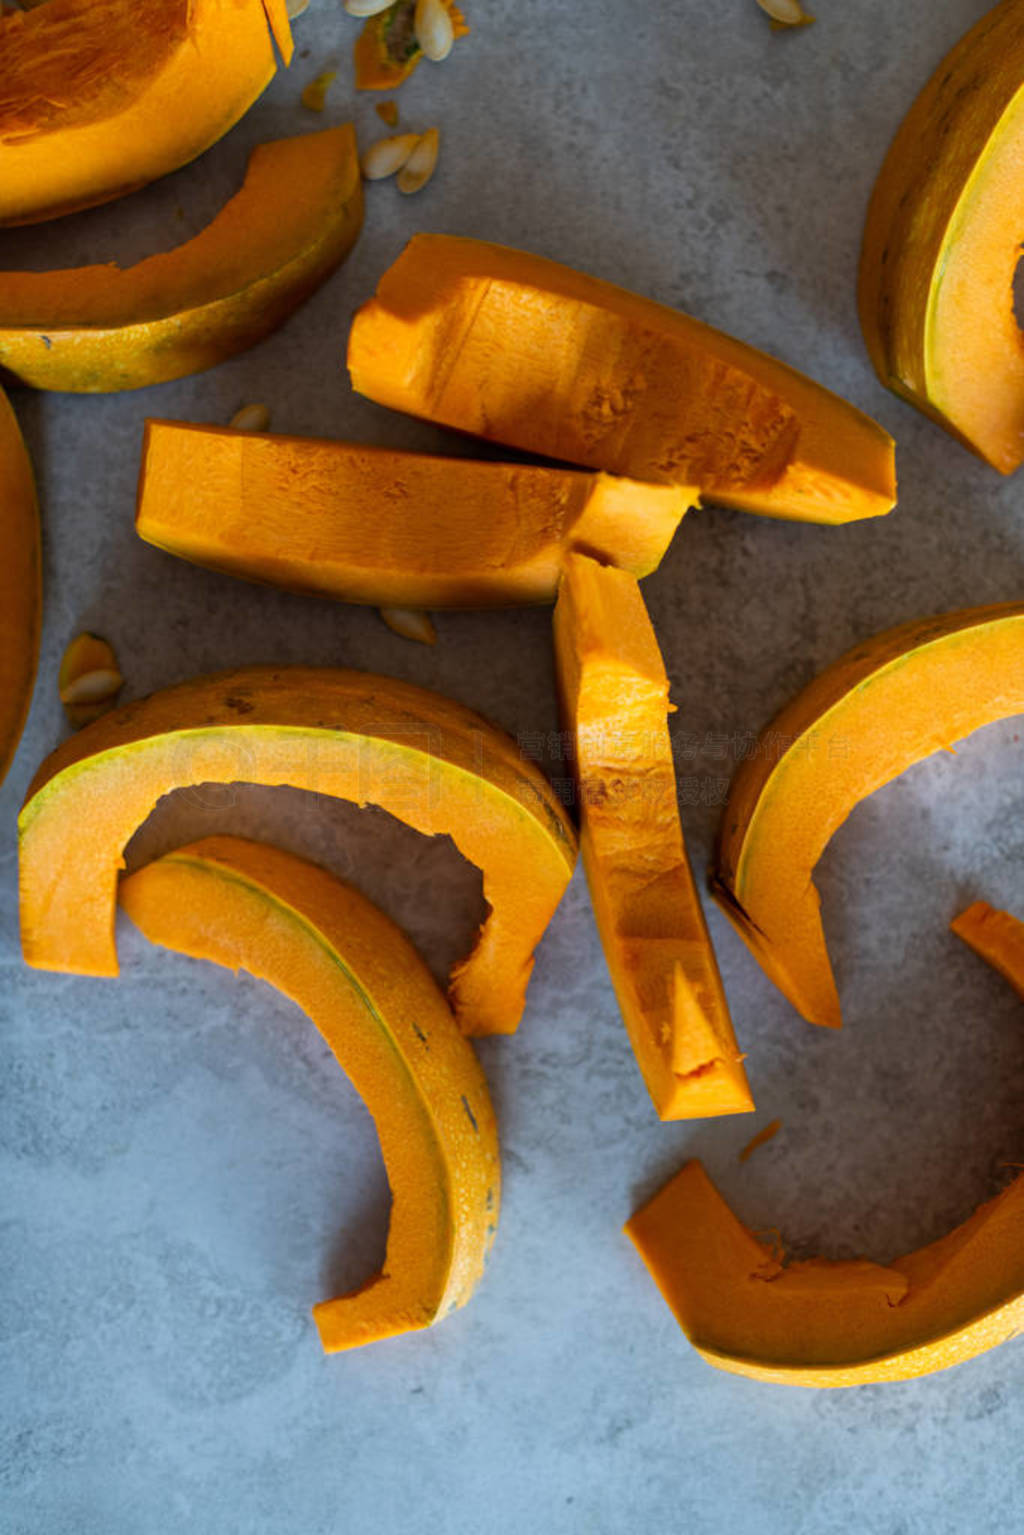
pixel 942 243
pixel 371 525
pixel 887 704
pixel 98 97
pixel 998 937
pixel 819 1323
pixel 527 352
pixel 348 735
pixel 321 943
pixel 20 584
pixel 615 701
pixel 104 328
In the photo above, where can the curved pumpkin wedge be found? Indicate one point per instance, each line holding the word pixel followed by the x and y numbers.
pixel 105 328
pixel 349 735
pixel 250 907
pixel 20 584
pixel 371 525
pixel 615 701
pixel 888 703
pixel 822 1323
pixel 942 243
pixel 98 97
pixel 524 351
pixel 998 937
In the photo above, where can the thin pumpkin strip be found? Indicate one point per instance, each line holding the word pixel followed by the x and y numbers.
pixel 349 735
pixel 888 703
pixel 615 702
pixel 105 328
pixel 21 597
pixel 250 907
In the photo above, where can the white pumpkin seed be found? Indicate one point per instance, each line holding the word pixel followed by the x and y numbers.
pixel 411 624
pixel 251 418
pixel 296 8
pixel 432 24
pixel 92 687
pixel 786 13
pixel 388 155
pixel 366 7
pixel 419 167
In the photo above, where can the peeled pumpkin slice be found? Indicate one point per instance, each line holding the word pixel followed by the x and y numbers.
pixel 371 525
pixel 888 703
pixel 615 702
pixel 105 328
pixel 21 597
pixel 998 937
pixel 524 351
pixel 250 907
pixel 99 97
pixel 349 735
pixel 943 240
pixel 821 1323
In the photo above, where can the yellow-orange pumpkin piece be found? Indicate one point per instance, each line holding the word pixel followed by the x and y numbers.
pixel 942 244
pixel 377 526
pixel 348 735
pixel 21 597
pixel 615 702
pixel 319 942
pixel 98 97
pixel 821 1323
pixel 104 328
pixel 524 351
pixel 886 704
pixel 998 937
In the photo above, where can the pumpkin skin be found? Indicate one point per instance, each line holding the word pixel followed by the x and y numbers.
pixel 99 97
pixel 349 735
pixel 318 941
pixel 524 351
pixel 942 243
pixel 458 532
pixel 614 695
pixel 106 328
pixel 887 704
pixel 21 596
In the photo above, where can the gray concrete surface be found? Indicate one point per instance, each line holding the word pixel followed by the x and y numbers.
pixel 184 1173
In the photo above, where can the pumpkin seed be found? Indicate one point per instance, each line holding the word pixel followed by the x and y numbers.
pixel 251 418
pixel 434 30
pixel 92 687
pixel 388 156
pixel 786 13
pixel 367 7
pixel 411 624
pixel 420 165
pixel 296 8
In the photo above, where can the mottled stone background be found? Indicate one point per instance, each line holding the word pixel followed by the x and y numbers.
pixel 184 1170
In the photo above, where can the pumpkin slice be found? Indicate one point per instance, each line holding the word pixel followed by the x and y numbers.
pixel 821 1323
pixel 887 704
pixel 524 351
pixel 943 240
pixel 98 97
pixel 350 735
pixel 21 598
pixel 615 701
pixel 998 937
pixel 371 525
pixel 250 907
pixel 104 328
